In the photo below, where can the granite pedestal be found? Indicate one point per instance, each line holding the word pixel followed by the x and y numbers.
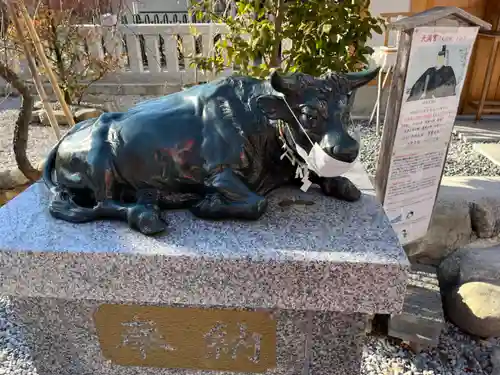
pixel 288 294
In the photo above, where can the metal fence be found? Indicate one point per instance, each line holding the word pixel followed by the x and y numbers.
pixel 159 18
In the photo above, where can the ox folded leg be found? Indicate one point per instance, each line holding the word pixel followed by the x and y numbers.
pixel 228 197
pixel 339 187
pixel 142 217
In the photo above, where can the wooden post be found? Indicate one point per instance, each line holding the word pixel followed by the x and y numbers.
pixel 41 55
pixel 419 119
pixel 392 116
pixel 34 71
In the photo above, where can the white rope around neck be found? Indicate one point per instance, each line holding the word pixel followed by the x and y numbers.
pixel 302 170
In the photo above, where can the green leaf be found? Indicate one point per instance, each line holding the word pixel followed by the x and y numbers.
pixel 322 35
pixel 326 28
pixel 377 29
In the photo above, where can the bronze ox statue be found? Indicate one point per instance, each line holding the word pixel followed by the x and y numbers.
pixel 215 148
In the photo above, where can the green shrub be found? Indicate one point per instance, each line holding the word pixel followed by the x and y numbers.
pixel 326 36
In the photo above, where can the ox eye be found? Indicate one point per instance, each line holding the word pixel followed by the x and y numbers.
pixel 310 113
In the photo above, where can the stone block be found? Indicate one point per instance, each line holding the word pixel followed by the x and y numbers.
pixel 38 105
pixel 35 116
pixel 83 114
pixel 317 271
pixel 59 115
pixel 483 197
pixel 333 341
pixel 469 264
pixel 474 131
pixel 422 318
pixel 490 151
pixel 467 207
pixel 7 195
pixel 449 229
pixel 12 178
pixel 111 106
pixel 137 88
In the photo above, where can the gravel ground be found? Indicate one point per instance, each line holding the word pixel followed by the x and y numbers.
pixel 456 354
pixel 14 355
pixel 41 138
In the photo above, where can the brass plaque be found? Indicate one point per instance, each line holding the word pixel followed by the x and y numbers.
pixel 202 339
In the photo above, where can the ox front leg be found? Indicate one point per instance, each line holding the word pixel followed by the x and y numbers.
pixel 144 215
pixel 227 197
pixel 146 218
pixel 340 188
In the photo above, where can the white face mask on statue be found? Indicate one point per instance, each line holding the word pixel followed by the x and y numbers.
pixel 317 160
pixel 321 163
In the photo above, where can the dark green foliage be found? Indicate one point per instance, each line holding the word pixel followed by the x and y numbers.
pixel 325 35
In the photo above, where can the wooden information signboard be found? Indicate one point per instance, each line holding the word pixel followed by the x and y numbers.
pixel 190 338
pixel 431 67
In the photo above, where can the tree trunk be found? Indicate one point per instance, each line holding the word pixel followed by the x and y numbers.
pixel 278 24
pixel 20 141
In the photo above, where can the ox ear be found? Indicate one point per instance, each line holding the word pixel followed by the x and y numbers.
pixel 358 79
pixel 273 107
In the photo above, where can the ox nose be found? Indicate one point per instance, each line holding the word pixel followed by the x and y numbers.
pixel 346 154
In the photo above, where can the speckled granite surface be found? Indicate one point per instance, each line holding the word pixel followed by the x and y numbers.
pixel 330 256
pixel 63 340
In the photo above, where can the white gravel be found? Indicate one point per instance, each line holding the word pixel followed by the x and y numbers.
pixel 456 354
pixel 41 138
pixel 15 356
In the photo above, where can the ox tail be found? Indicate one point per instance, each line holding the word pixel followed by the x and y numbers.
pixel 48 169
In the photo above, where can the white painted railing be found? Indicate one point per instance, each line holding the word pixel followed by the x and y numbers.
pixel 152 53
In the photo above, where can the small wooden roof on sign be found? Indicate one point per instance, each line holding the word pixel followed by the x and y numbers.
pixel 429 16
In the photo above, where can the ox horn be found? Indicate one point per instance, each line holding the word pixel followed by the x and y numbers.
pixel 280 84
pixel 358 79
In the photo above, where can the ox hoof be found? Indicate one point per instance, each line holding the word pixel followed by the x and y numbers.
pixel 340 188
pixel 146 220
pixel 62 207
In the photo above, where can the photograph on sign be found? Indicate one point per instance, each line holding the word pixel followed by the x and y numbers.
pixel 436 72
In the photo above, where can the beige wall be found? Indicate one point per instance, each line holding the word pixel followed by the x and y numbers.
pixel 162 5
pixel 386 6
